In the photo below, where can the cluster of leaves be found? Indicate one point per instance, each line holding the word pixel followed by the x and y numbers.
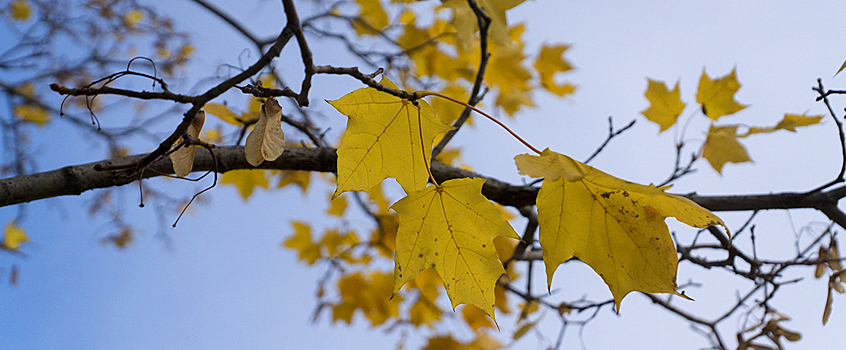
pixel 716 99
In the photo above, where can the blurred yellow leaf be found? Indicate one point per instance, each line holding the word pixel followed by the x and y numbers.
pixel 337 206
pixel 336 242
pixel 549 62
pixel 300 178
pixel 33 114
pixel 721 147
pixel 132 18
pixel 121 239
pixel 451 228
pixel 212 135
pixel 183 158
pixel 373 15
pixel 665 105
pixel 425 310
pixel 484 342
pixel 465 22
pixel 13 236
pixel 382 140
pixel 267 141
pixel 522 330
pixel 20 10
pixel 224 113
pixel 614 226
pixel 717 96
pixel 301 242
pixel 449 111
pixel 370 294
pixel 384 237
pixel 790 122
pixel 443 342
pixel 476 318
pixel 246 180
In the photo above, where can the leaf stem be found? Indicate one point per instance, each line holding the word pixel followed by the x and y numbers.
pixel 421 94
pixel 423 143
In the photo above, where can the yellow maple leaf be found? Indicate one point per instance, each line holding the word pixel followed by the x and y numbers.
pixel 425 310
pixel 337 206
pixel 443 342
pixel 246 180
pixel 451 228
pixel 301 242
pixel 447 110
pixel 383 140
pixel 132 18
pixel 20 10
pixel 549 62
pixel 717 96
pixel 224 113
pixel 335 243
pixel 266 141
pixel 370 294
pixel 373 15
pixel 13 236
pixel 507 72
pixel 466 24
pixel 300 178
pixel 665 105
pixel 614 226
pixel 790 122
pixel 120 239
pixel 721 147
pixel 33 114
pixel 384 237
pixel 475 318
pixel 183 158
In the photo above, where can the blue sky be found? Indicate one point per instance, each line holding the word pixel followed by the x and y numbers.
pixel 222 281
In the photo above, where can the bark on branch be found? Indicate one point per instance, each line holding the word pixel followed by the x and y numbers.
pixel 74 180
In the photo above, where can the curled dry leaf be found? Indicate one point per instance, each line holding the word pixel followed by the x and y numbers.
pixel 183 158
pixel 266 141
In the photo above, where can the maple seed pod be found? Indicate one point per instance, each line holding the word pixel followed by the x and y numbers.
pixel 183 158
pixel 266 141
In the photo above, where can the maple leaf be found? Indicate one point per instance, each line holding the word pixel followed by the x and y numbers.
pixel 266 141
pixel 466 24
pixel 337 206
pixel 183 158
pixel 549 62
pixel 721 147
pixel 425 310
pixel 121 239
pixel 300 178
pixel 665 105
pixel 301 242
pixel 246 180
pixel 33 114
pixel 371 294
pixel 717 96
pixel 371 19
pixel 790 122
pixel 13 236
pixel 224 113
pixel 614 226
pixel 383 140
pixel 20 10
pixel 451 228
pixel 475 318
